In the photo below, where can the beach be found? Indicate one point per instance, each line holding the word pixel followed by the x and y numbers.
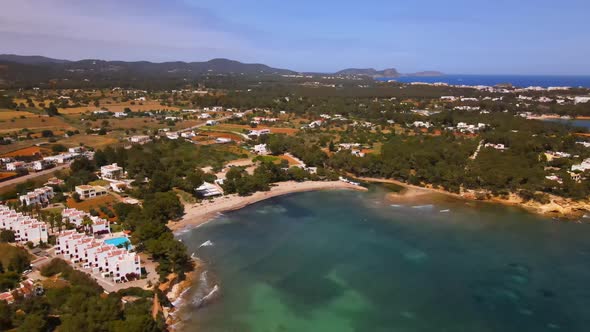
pixel 200 213
pixel 557 207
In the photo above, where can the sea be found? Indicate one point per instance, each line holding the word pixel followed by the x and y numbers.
pixel 491 80
pixel 347 261
pixel 579 123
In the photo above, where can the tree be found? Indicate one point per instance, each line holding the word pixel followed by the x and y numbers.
pixel 33 323
pixel 331 147
pixel 87 223
pixel 58 148
pixel 7 236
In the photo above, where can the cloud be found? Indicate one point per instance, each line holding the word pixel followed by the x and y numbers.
pixel 126 25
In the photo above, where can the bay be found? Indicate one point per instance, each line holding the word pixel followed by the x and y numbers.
pixel 351 261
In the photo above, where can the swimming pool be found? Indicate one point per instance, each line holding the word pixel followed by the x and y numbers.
pixel 118 241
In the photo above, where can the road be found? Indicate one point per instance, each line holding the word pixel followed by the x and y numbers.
pixel 205 123
pixel 31 176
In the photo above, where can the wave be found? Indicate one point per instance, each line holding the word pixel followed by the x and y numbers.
pixel 427 206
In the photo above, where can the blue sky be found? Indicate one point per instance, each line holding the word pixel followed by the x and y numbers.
pixel 453 36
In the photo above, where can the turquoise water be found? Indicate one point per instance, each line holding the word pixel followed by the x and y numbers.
pixel 348 261
pixel 117 241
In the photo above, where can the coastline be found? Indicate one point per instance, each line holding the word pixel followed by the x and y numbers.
pixel 200 213
pixel 558 207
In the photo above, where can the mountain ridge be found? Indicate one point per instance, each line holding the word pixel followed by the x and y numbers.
pixel 216 66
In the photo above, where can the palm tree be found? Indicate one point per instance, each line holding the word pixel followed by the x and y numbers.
pixel 68 223
pixel 87 223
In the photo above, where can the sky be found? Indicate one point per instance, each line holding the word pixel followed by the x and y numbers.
pixel 452 36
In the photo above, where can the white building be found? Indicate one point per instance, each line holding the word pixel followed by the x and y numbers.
pixel 139 139
pixel 62 158
pixel 172 135
pixel 86 252
pixel 208 190
pixel 581 99
pixel 584 166
pixel 87 191
pixel 261 149
pixel 40 196
pixel 25 228
pixel 112 171
pixel 421 124
pixel 259 132
pixel 15 166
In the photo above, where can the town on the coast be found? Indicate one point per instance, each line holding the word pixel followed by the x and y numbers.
pixel 97 173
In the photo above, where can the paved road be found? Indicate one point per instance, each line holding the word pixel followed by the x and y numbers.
pixel 205 123
pixel 31 176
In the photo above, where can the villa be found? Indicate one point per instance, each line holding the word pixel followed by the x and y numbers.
pixel 112 171
pixel 208 190
pixel 261 149
pixel 139 139
pixel 87 191
pixel 258 133
pixel 582 167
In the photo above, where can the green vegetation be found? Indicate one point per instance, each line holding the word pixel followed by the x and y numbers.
pixel 79 306
pixel 13 262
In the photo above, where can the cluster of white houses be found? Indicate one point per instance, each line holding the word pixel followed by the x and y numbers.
pixel 76 217
pixel 40 196
pixel 25 228
pixel 99 257
pixel 47 162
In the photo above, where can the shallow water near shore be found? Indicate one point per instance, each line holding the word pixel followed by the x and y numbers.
pixel 352 261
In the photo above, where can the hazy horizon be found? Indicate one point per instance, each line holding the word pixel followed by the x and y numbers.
pixel 458 36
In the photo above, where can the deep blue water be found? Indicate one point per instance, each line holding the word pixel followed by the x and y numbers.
pixel 581 123
pixel 354 262
pixel 490 80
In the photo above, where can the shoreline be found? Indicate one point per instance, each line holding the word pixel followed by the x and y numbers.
pixel 558 207
pixel 200 213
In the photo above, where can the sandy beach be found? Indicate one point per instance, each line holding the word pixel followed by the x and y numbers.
pixel 200 213
pixel 557 207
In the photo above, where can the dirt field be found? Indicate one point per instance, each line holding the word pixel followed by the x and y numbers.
pixel 94 203
pixel 6 175
pixel 95 141
pixel 137 123
pixel 205 135
pixel 240 128
pixel 9 114
pixel 118 107
pixel 27 152
pixel 36 124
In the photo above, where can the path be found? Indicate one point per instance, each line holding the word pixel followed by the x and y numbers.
pixel 31 176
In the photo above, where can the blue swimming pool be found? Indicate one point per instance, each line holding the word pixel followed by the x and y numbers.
pixel 118 241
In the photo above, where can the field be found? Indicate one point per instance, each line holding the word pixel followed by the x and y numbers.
pixel 6 175
pixel 118 107
pixel 8 114
pixel 34 123
pixel 107 200
pixel 137 123
pixel 95 141
pixel 28 152
pixel 241 128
